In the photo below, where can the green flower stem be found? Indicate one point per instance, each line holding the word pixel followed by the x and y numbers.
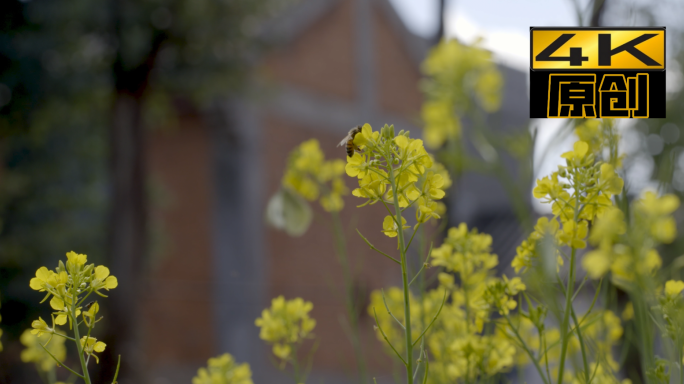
pixel 464 286
pixel 412 236
pixel 582 347
pixel 421 275
pixel 679 362
pixel 568 297
pixel 84 298
pixel 527 350
pixel 578 329
pixel 295 365
pixel 116 373
pixel 566 316
pixel 404 275
pixel 643 330
pixel 384 335
pixel 77 337
pixel 52 377
pixel 64 336
pixel 348 282
pixel 377 250
pixel 59 362
pixel 546 355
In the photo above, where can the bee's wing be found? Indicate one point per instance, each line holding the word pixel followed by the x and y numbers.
pixel 344 141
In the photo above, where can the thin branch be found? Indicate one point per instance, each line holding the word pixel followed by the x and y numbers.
pixel 427 368
pixel 433 319
pixel 527 350
pixel 580 287
pixel 392 215
pixel 386 339
pixel 423 266
pixel 116 373
pixel 59 363
pixel 377 250
pixel 64 336
pixel 411 239
pixel 578 330
pixel 390 312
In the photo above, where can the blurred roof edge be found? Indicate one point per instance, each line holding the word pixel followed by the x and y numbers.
pixel 294 21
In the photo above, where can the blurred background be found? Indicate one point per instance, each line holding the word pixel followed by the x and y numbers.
pixel 151 134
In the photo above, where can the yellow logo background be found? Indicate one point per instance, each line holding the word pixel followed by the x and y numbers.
pixel 589 40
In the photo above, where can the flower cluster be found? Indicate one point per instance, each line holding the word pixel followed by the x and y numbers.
pixel 68 287
pixel 66 284
pixel 314 178
pixel 585 196
pixel 397 167
pixel 285 325
pixel 602 138
pixel 458 347
pixel 34 352
pixel 545 232
pixel 224 370
pixel 455 73
pixel 671 305
pixel 625 250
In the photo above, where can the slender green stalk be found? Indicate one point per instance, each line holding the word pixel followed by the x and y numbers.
pixel 116 373
pixel 582 347
pixel 295 365
pixel 404 276
pixel 566 316
pixel 377 250
pixel 349 302
pixel 77 337
pixel 568 296
pixel 464 286
pixel 681 370
pixel 527 350
pixel 59 362
pixel 578 330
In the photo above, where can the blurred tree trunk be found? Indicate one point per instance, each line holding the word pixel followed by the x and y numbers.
pixel 127 236
pixel 597 12
pixel 440 23
pixel 128 231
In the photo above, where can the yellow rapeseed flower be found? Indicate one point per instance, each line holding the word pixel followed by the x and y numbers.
pixel 102 280
pixel 90 345
pixel 389 226
pixel 397 167
pixel 75 261
pixel 40 327
pixel 224 370
pixel 286 323
pixel 312 177
pixel 657 212
pixel 673 288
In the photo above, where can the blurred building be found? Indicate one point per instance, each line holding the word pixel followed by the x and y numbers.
pixel 338 63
